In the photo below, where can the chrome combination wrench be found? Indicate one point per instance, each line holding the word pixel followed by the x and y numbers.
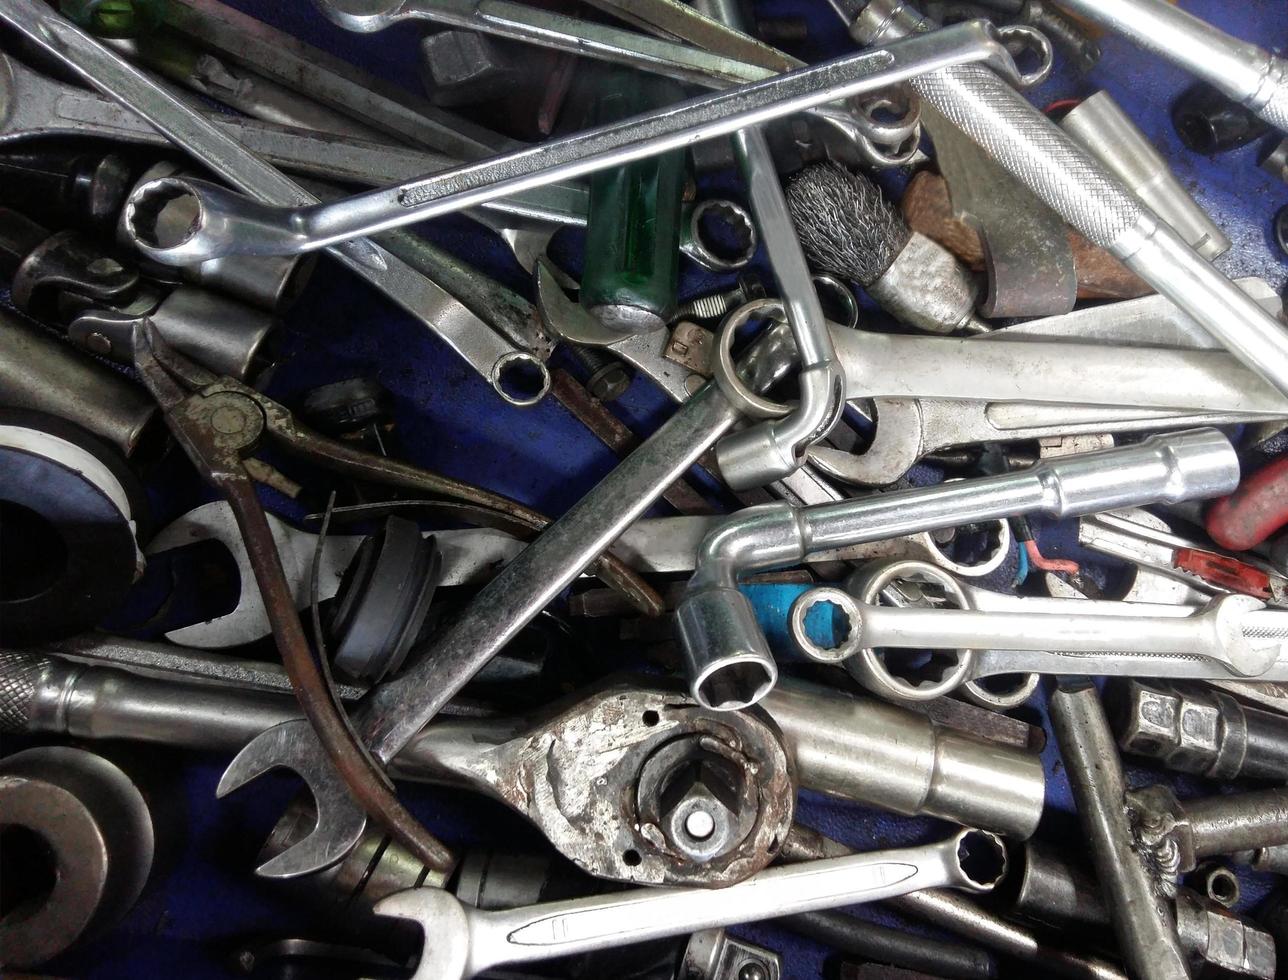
pixel 463 942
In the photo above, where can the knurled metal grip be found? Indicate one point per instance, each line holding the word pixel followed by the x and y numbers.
pixel 1275 111
pixel 19 674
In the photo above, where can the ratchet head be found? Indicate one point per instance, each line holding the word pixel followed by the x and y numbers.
pixel 446 927
pixel 340 822
pixel 221 219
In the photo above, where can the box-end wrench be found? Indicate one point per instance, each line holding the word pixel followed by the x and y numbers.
pixel 1223 633
pixel 33 105
pixel 462 942
pixel 494 357
pixel 227 223
pixel 1218 628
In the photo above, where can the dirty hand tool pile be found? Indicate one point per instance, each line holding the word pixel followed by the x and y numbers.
pixel 821 591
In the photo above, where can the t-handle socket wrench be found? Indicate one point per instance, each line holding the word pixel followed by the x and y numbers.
pixel 1248 74
pixel 463 942
pixel 227 224
pixel 1043 158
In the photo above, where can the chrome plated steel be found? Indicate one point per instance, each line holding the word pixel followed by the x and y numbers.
pixel 725 653
pixel 228 224
pixel 494 357
pixel 463 942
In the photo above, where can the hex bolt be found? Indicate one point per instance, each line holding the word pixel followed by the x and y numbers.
pixel 1199 731
pixel 1145 925
pixel 750 286
pixel 608 378
pixel 1182 834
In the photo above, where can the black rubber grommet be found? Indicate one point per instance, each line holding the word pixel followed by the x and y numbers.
pixel 389 586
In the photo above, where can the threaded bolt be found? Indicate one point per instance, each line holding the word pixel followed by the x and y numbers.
pixel 608 378
pixel 714 305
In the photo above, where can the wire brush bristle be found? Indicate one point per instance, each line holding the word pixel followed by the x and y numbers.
pixel 844 222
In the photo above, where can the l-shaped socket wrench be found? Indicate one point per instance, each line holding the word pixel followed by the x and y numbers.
pixel 725 653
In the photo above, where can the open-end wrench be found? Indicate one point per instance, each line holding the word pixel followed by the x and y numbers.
pixel 909 428
pixel 227 223
pixel 1234 632
pixel 462 942
pixel 33 105
pixel 494 357
pixel 656 545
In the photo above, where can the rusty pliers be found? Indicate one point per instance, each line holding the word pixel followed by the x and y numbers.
pixel 219 422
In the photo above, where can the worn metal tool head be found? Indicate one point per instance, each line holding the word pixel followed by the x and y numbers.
pixel 365 16
pixel 293 745
pixel 845 224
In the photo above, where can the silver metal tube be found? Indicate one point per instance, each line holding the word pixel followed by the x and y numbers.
pixel 958 914
pixel 228 224
pixel 1248 74
pixel 1076 186
pixel 722 644
pixel 860 750
pixel 40 373
pixel 882 755
pixel 1237 822
pixel 776 448
pixel 1099 124
pixel 1145 926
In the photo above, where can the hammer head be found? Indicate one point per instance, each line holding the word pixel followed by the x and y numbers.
pixel 340 822
pixel 445 923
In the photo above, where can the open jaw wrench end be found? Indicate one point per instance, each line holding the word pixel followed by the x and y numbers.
pixel 340 821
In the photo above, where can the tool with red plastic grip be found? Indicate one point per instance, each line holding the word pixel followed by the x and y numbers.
pixel 1254 512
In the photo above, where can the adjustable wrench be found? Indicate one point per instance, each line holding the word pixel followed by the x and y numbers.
pixel 493 356
pixel 462 942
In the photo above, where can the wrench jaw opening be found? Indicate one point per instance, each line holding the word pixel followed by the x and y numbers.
pixel 340 821
pixel 446 926
pixel 223 222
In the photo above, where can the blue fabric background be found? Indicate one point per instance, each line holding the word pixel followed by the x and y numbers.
pixel 449 420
